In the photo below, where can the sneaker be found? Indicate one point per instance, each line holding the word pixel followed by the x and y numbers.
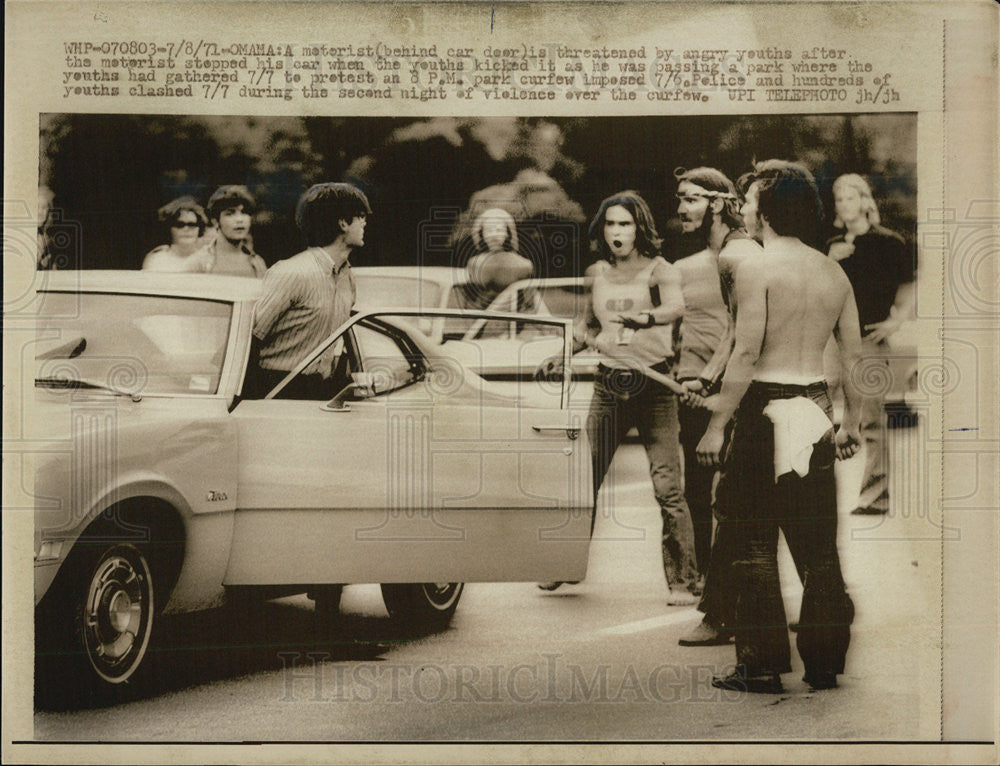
pixel 681 598
pixel 738 681
pixel 550 586
pixel 706 634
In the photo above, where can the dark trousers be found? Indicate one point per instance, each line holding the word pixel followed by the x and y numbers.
pixel 623 399
pixel 875 485
pixel 697 481
pixel 805 510
pixel 718 600
pixel 308 387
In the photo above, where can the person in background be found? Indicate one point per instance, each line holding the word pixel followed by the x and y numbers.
pixel 231 209
pixel 309 295
pixel 45 258
pixel 500 265
pixel 185 223
pixel 631 330
pixel 777 472
pixel 708 207
pixel 881 271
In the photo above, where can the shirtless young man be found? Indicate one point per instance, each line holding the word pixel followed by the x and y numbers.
pixel 791 298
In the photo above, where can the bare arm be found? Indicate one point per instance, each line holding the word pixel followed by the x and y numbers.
pixel 716 366
pixel 847 334
pixel 901 311
pixel 732 255
pixel 586 327
pixel 751 322
pixel 667 280
pixel 152 260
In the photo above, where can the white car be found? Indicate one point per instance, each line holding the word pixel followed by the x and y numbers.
pixel 496 349
pixel 160 488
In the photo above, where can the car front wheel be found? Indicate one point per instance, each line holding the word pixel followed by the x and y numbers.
pixel 426 606
pixel 100 621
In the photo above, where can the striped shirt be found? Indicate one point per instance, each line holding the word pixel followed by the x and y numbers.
pixel 304 299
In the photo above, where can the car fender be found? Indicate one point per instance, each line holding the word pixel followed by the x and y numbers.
pixel 208 537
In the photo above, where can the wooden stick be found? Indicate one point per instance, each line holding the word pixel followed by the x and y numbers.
pixel 649 372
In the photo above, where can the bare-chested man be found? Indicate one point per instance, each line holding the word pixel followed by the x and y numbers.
pixel 778 468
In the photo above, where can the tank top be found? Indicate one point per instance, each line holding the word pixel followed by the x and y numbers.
pixel 648 346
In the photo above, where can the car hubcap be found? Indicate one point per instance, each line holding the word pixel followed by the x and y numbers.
pixel 116 616
pixel 442 594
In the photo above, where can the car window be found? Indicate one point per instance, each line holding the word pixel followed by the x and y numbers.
pixel 370 346
pixel 146 344
pixel 384 355
pixel 315 387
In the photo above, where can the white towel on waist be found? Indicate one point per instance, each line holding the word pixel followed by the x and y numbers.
pixel 798 424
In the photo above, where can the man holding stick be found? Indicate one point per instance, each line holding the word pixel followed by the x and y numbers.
pixel 708 206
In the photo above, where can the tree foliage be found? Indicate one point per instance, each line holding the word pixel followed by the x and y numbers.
pixel 426 177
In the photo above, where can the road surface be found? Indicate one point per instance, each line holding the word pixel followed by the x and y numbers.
pixel 597 661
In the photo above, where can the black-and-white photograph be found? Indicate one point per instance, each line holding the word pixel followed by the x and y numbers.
pixel 506 382
pixel 460 429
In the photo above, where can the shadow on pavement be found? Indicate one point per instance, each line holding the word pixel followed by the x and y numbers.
pixel 219 644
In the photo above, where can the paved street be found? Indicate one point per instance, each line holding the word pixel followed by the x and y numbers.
pixel 597 661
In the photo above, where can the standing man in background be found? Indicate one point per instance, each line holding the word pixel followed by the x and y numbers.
pixel 880 268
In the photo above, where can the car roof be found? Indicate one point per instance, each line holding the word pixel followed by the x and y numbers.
pixel 207 286
pixel 442 275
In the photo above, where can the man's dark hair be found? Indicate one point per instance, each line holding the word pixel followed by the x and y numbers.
pixel 788 198
pixel 324 206
pixel 230 196
pixel 170 214
pixel 716 181
pixel 647 241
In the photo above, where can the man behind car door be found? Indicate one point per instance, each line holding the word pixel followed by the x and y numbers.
pixel 308 296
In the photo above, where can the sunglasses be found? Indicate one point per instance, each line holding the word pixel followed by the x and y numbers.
pixel 186 225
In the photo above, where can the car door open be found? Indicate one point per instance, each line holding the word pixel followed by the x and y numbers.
pixel 432 474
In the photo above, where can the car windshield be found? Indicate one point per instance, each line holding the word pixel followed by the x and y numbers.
pixel 396 292
pixel 142 344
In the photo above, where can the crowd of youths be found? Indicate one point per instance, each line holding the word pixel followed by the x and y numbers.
pixel 722 357
pixel 765 320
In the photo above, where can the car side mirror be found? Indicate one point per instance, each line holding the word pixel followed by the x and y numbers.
pixel 363 383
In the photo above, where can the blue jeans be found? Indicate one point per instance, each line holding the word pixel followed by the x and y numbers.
pixel 623 399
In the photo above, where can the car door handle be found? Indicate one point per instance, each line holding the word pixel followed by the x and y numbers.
pixel 571 431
